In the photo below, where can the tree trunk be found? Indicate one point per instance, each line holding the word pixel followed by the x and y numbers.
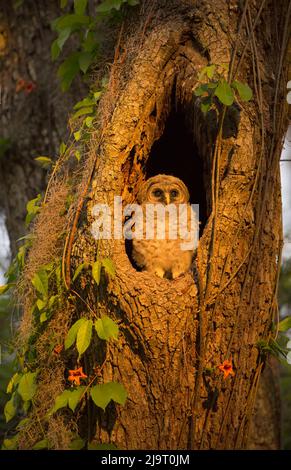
pixel 175 334
pixel 34 111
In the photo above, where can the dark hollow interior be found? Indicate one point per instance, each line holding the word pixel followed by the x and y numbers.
pixel 175 153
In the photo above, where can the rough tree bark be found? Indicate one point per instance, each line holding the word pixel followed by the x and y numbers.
pixel 34 121
pixel 175 334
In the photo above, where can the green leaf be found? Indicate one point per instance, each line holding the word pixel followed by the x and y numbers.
pixel 109 266
pixel 32 208
pixel 62 148
pixel 68 70
pixel 52 301
pixel 90 44
pixel 72 21
pixel 85 60
pixel 224 93
pixel 97 95
pixel 106 328
pixel 72 333
pixel 10 409
pixel 210 69
pixel 108 5
pixel 10 444
pixel 74 397
pixel 4 288
pixel 77 444
pixel 40 282
pixel 96 271
pixel 244 90
pixel 45 162
pixel 41 304
pixel 102 394
pixel 84 336
pixel 285 324
pixel 77 135
pixel 55 49
pixel 27 386
pixel 23 423
pixel 13 381
pixel 61 401
pixel 64 3
pixel 89 121
pixel 133 3
pixel 83 111
pixel 43 444
pixel 43 317
pixel 80 6
pixel 78 157
pixel 98 446
pixel 201 90
pixel 63 36
pixel 79 270
pixel 85 103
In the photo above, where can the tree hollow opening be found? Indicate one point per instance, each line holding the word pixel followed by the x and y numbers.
pixel 177 154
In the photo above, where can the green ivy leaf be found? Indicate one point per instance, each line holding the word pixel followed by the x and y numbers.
pixel 102 394
pixel 61 401
pixel 10 444
pixel 10 409
pixel 89 121
pixel 201 90
pixel 85 60
pixel 12 382
pixel 55 49
pixel 84 336
pixel 106 328
pixel 77 444
pixel 27 386
pixel 72 333
pixel 43 444
pixel 72 21
pixel 40 282
pixel 85 103
pixel 224 93
pixel 4 288
pixel 41 304
pixel 285 324
pixel 75 397
pixel 80 6
pixel 43 317
pixel 32 208
pixel 109 266
pixel 62 148
pixel 96 271
pixel 79 269
pixel 90 44
pixel 108 5
pixel 68 70
pixel 77 135
pixel 243 90
pixel 83 111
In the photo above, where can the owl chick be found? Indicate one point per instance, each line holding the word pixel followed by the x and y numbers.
pixel 166 255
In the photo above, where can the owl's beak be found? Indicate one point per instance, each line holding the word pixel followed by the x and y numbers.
pixel 167 197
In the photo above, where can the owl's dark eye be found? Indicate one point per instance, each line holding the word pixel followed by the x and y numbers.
pixel 174 193
pixel 157 192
